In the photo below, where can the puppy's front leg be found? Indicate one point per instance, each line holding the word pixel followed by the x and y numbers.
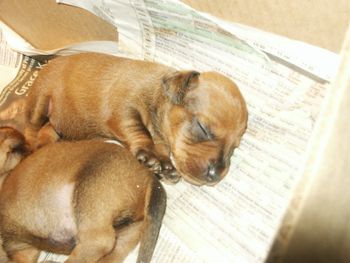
pixel 132 133
pixel 168 173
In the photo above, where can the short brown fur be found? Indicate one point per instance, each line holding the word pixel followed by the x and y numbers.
pixel 91 200
pixel 195 119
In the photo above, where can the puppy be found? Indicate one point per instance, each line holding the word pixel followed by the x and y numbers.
pixel 157 112
pixel 91 200
pixel 10 142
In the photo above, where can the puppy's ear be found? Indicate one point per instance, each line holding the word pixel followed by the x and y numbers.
pixel 178 83
pixel 12 149
pixel 11 140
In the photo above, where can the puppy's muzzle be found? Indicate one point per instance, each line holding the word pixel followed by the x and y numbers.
pixel 215 171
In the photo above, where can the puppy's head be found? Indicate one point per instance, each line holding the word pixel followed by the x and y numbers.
pixel 12 148
pixel 204 124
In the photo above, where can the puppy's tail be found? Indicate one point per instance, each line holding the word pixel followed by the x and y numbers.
pixel 154 212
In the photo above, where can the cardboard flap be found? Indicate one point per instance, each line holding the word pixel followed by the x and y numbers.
pixel 48 25
pixel 318 228
pixel 322 23
pixel 319 22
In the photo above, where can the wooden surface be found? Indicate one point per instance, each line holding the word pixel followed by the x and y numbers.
pixel 47 25
pixel 319 22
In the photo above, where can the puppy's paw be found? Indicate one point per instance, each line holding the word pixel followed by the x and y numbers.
pixel 148 159
pixel 168 174
pixel 46 135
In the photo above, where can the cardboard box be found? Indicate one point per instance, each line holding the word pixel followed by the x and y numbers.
pixel 318 22
pixel 321 23
pixel 31 18
pixel 323 217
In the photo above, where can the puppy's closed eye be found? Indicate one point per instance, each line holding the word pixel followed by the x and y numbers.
pixel 200 131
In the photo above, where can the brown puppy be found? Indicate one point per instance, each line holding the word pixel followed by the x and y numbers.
pixel 155 111
pixel 10 142
pixel 89 199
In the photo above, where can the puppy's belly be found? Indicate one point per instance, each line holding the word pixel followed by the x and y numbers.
pixel 66 226
pixel 54 215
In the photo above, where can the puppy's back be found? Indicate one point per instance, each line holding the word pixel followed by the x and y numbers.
pixel 79 182
pixel 63 163
pixel 37 198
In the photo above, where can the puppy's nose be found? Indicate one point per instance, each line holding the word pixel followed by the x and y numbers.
pixel 213 172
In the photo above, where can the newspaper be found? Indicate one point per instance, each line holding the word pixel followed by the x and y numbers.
pixel 18 73
pixel 24 47
pixel 284 86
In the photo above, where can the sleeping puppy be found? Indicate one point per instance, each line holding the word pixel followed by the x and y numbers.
pixel 195 119
pixel 90 200
pixel 10 142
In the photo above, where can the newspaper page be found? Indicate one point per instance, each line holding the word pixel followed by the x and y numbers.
pixel 237 220
pixel 18 73
pixel 297 54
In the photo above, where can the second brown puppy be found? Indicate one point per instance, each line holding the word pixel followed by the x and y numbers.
pixel 91 200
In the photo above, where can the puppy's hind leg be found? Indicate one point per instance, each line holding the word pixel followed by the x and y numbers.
pixel 145 231
pixel 154 212
pixel 94 243
pixel 127 239
pixel 21 252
